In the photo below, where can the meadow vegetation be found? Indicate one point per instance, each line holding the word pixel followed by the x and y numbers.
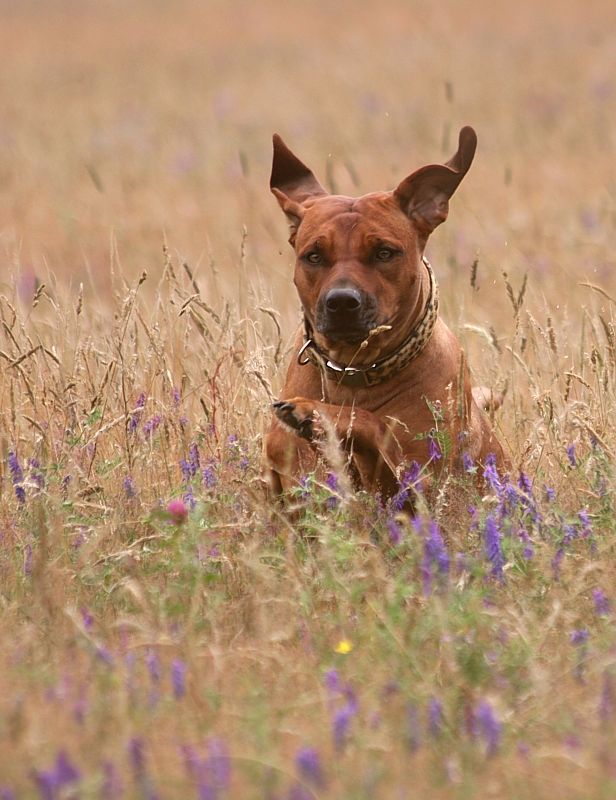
pixel 166 631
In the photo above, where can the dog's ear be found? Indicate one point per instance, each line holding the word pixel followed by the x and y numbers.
pixel 424 195
pixel 290 176
pixel 294 212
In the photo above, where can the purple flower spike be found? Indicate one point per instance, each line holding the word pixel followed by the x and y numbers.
pixel 493 548
pixel 579 637
pixel 395 532
pixel 208 476
pixel 130 489
pixel 607 702
pixel 342 722
pixel 137 757
pixel 218 764
pixel 331 482
pixel 51 782
pixel 571 456
pixel 413 728
pixel 436 558
pixel 489 727
pixel 178 678
pixel 111 787
pixel 434 449
pixel 332 680
pixel 17 477
pixel 467 463
pixel 603 606
pixel 153 665
pixel 152 425
pixel 309 767
pixel 490 474
pixel 435 717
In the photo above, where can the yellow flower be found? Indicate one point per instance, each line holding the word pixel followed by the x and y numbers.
pixel 343 647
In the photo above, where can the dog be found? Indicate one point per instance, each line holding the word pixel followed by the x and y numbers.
pixel 375 368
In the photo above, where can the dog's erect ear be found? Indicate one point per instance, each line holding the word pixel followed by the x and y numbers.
pixel 424 195
pixel 290 176
pixel 293 210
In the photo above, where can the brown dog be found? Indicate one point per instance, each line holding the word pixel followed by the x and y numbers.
pixel 374 364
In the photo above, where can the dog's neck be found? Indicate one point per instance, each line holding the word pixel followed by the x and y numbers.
pixel 387 365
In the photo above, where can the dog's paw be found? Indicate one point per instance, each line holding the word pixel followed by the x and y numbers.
pixel 297 416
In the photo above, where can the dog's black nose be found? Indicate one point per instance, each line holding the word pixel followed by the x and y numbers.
pixel 340 301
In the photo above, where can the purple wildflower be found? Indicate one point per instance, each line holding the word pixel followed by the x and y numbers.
pixel 189 499
pixel 208 476
pixel 395 532
pixel 586 524
pixel 332 680
pixel 467 463
pixel 413 731
pixel 489 726
pixel 607 701
pixel 342 722
pixel 7 793
pixel 218 764
pixel 17 477
pixel 193 457
pixel 136 756
pixel 87 619
pixel 579 637
pixel 309 767
pixel 550 494
pixel 133 420
pixel 490 474
pixel 331 481
pixel 152 424
pixel 528 551
pixel 493 548
pixel 178 678
pixel 153 664
pixel 410 482
pixel 571 455
pixel 525 484
pixel 176 396
pixel 436 558
pixel 603 605
pixel 111 787
pixel 129 487
pixel 51 782
pixel 104 655
pixel 36 474
pixel 434 449
pixel 435 717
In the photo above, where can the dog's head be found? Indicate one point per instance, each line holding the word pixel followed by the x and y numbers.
pixel 359 260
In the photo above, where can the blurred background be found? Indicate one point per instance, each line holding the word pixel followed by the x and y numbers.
pixel 127 125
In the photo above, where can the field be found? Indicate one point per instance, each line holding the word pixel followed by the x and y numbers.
pixel 166 631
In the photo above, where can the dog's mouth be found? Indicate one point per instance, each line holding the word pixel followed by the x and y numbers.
pixel 345 334
pixel 346 316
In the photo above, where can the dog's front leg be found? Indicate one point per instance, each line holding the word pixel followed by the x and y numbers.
pixel 374 451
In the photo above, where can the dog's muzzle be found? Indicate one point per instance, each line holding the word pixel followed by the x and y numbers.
pixel 346 314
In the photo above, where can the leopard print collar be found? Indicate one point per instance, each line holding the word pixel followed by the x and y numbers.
pixel 385 367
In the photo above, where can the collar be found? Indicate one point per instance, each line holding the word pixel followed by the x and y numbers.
pixel 382 369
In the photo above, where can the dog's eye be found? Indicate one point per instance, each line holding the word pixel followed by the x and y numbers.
pixel 385 254
pixel 313 257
